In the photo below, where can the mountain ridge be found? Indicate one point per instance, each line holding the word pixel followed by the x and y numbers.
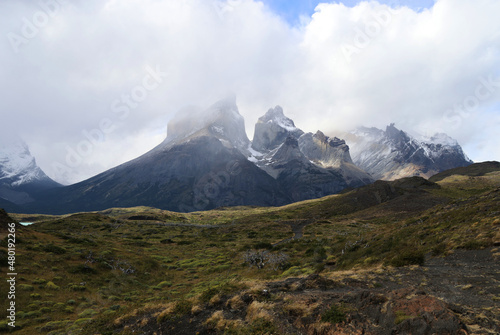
pixel 393 153
pixel 207 161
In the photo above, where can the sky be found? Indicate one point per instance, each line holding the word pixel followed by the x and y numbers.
pixel 92 84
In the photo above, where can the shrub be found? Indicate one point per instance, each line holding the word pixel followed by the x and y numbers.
pixel 252 234
pixel 209 294
pixel 76 287
pixel 51 286
pixel 263 245
pixel 39 281
pixel 409 257
pixel 87 313
pixel 263 257
pixel 439 249
pixel 183 307
pixel 82 268
pixel 263 327
pixel 400 317
pixel 84 241
pixel 26 287
pixel 150 264
pixel 54 249
pixel 335 314
pixel 475 245
pixel 165 283
pixel 51 325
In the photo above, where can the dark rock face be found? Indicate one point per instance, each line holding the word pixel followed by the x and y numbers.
pixel 300 178
pixel 288 151
pixel 333 154
pixel 305 165
pixel 272 129
pixel 393 154
pixel 200 174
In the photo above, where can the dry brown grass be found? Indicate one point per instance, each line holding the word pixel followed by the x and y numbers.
pixel 141 311
pixel 215 300
pixel 320 328
pixel 259 310
pixel 299 308
pixel 219 322
pixel 166 311
pixel 236 302
pixel 196 309
pixel 255 287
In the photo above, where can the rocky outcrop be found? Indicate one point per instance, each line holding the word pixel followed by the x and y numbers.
pixel 323 150
pixel 300 178
pixel 305 165
pixel 272 129
pixel 333 153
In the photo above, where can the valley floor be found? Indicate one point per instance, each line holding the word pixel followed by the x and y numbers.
pixel 405 257
pixel 456 294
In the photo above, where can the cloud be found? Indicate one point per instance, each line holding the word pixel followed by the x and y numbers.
pixel 369 64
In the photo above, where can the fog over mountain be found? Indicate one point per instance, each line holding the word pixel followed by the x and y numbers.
pixel 91 84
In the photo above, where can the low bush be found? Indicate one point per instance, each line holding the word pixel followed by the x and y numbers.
pixel 335 314
pixel 54 249
pixel 408 257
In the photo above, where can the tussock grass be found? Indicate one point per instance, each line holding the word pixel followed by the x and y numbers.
pixel 180 265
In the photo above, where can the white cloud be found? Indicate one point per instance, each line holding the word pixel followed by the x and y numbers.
pixel 407 67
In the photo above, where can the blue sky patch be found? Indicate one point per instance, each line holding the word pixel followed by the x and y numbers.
pixel 291 10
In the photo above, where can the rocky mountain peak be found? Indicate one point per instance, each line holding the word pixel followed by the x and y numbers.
pixel 396 135
pixel 394 153
pixel 333 142
pixel 222 120
pixel 272 129
pixel 323 150
pixel 276 115
pixel 19 173
pixel 288 151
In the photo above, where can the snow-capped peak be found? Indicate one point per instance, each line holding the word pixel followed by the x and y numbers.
pixel 275 115
pixel 18 168
pixel 17 162
pixel 439 138
pixel 390 154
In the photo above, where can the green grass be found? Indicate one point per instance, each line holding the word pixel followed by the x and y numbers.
pixel 90 268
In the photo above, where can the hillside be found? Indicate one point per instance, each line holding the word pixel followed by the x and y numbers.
pixel 407 256
pixel 474 170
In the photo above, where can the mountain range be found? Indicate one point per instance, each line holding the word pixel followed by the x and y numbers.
pixel 393 153
pixel 207 161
